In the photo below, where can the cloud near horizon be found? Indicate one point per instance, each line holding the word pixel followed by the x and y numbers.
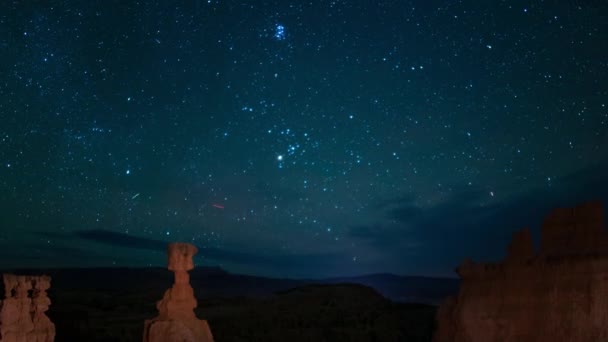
pixel 422 240
pixel 303 263
pixel 469 225
pixel 419 239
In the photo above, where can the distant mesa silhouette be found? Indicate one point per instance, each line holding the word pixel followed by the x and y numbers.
pixel 176 320
pixel 559 294
pixel 23 317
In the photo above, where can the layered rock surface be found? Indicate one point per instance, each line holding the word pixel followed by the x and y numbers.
pixel 23 317
pixel 176 320
pixel 559 294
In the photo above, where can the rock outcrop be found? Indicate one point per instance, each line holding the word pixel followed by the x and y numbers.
pixel 44 329
pixel 23 318
pixel 176 320
pixel 558 294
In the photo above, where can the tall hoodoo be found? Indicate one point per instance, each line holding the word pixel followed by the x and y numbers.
pixel 44 329
pixel 176 320
pixel 23 318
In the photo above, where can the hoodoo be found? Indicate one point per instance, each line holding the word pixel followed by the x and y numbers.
pixel 23 317
pixel 176 320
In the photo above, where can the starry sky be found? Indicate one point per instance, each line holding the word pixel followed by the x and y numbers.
pixel 295 138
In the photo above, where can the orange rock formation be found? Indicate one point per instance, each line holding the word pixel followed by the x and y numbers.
pixel 176 320
pixel 23 318
pixel 559 294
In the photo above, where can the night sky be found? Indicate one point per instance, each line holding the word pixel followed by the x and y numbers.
pixel 295 138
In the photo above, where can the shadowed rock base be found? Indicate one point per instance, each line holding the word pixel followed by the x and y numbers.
pixel 176 320
pixel 182 331
pixel 557 295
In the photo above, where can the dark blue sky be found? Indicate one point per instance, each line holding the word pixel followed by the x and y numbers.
pixel 296 139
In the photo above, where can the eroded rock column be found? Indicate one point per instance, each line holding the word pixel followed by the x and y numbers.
pixel 23 318
pixel 15 315
pixel 176 320
pixel 44 329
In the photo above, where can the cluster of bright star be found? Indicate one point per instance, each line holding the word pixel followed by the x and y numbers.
pixel 248 127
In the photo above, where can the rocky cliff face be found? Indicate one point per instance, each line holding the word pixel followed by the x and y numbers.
pixel 558 294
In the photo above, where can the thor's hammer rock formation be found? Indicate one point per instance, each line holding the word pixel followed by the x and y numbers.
pixel 176 320
pixel 23 318
pixel 559 294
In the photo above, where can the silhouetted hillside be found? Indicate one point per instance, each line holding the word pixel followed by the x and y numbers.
pixel 406 289
pixel 216 282
pixel 340 312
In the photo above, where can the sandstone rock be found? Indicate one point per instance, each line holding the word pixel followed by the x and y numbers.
pixel 176 320
pixel 521 248
pixel 557 295
pixel 23 318
pixel 15 317
pixel 574 231
pixel 44 329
